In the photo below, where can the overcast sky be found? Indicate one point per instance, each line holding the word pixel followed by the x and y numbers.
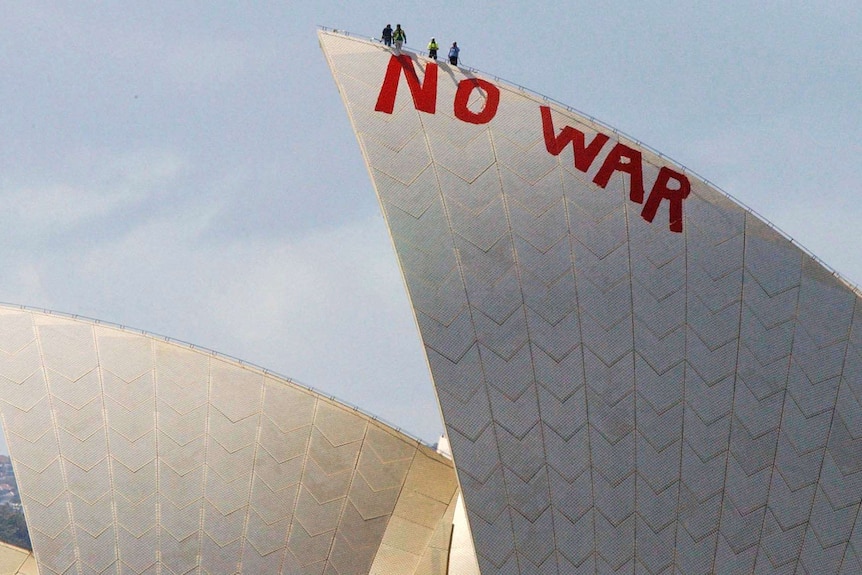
pixel 188 168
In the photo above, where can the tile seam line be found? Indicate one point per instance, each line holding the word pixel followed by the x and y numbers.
pixel 628 225
pixel 767 508
pixel 718 534
pixel 244 540
pixel 574 272
pixel 61 462
pixel 299 486
pixel 808 527
pixel 674 561
pixel 535 379
pixel 108 458
pixel 457 254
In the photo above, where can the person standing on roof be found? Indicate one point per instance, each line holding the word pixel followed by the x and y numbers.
pixel 432 49
pixel 453 53
pixel 399 36
pixel 387 35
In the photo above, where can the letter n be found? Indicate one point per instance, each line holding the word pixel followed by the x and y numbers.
pixel 424 93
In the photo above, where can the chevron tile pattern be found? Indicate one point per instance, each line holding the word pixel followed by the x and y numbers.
pixel 623 394
pixel 137 455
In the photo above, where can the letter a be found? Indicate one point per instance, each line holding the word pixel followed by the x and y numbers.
pixel 424 94
pixel 614 163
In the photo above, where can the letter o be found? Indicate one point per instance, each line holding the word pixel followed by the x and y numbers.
pixel 462 97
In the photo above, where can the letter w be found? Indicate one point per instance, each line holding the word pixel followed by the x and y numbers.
pixel 584 155
pixel 424 94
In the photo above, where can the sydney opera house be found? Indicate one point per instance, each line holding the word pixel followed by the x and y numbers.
pixel 636 375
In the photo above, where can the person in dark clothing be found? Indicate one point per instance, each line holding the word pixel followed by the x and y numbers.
pixel 453 54
pixel 387 35
pixel 432 49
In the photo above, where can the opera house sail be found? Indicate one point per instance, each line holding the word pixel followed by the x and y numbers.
pixel 135 454
pixel 636 373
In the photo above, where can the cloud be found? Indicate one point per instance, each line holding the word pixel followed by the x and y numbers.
pixel 90 186
pixel 326 306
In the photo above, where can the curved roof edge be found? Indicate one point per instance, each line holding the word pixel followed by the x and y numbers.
pixel 856 288
pixel 132 451
pixel 223 356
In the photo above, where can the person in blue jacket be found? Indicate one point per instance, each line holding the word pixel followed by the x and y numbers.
pixel 453 53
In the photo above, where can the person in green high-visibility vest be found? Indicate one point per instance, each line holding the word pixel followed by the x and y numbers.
pixel 432 49
pixel 399 36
